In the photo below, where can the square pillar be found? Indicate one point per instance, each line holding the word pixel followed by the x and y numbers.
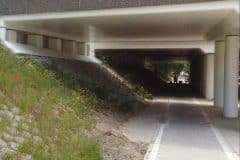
pixel 208 76
pixel 231 67
pixel 35 40
pixel 219 74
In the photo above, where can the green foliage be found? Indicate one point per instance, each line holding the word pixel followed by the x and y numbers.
pixel 186 68
pixel 166 69
pixel 60 105
pixel 142 92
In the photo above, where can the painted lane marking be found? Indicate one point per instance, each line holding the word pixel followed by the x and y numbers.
pixel 221 140
pixel 154 147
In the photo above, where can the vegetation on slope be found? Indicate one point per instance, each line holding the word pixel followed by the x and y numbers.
pixel 135 87
pixel 59 107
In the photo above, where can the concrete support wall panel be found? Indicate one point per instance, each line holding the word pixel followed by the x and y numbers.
pixel 74 47
pixel 69 47
pixel 35 40
pixel 219 74
pixel 208 76
pixel 21 37
pixel 11 36
pixel 55 44
pixel 231 76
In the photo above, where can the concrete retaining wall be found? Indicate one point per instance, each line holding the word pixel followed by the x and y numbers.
pixel 55 44
pixel 35 40
pixel 106 85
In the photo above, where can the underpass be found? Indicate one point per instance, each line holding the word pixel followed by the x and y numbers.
pixel 198 120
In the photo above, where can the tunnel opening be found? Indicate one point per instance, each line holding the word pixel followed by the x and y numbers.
pixel 160 72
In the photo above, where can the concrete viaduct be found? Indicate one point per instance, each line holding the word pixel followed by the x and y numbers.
pixel 76 29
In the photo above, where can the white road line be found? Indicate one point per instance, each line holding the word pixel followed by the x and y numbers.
pixel 226 148
pixel 153 148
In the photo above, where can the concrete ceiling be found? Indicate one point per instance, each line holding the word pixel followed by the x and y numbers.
pixel 169 25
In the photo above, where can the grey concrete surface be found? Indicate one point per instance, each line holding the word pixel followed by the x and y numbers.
pixel 39 6
pixel 189 130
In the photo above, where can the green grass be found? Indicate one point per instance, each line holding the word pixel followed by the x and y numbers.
pixel 61 108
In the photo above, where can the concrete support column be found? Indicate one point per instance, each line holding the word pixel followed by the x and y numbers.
pixel 219 74
pixel 35 40
pixel 231 68
pixel 55 44
pixel 208 75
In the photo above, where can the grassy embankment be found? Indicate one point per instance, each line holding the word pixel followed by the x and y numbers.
pixel 60 107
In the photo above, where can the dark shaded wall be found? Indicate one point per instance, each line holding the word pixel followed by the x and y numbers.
pixel 40 6
pixel 197 73
pixel 125 60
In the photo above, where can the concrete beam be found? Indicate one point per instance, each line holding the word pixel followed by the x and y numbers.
pixel 205 46
pixel 35 40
